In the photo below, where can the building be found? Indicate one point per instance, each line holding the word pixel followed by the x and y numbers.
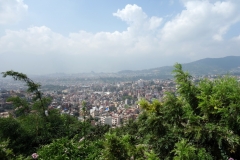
pixel 106 120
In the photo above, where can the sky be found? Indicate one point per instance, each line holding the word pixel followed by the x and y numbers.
pixel 75 36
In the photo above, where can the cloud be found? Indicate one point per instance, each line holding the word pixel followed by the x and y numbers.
pixel 11 11
pixel 201 18
pixel 137 19
pixel 196 32
pixel 132 14
pixel 198 29
pixel 34 40
pixel 136 38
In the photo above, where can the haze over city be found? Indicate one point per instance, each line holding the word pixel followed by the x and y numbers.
pixel 43 37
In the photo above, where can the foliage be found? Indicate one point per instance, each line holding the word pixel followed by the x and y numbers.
pixel 20 141
pixel 60 149
pixel 197 115
pixel 114 148
pixel 186 151
pixel 5 152
pixel 125 147
pixel 21 105
pixel 32 86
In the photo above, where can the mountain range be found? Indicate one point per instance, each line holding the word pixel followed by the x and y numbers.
pixel 207 66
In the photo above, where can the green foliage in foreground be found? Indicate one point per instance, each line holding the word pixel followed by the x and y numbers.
pixel 200 121
pixel 5 152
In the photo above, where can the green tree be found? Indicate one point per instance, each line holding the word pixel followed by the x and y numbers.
pixel 32 86
pixel 114 148
pixel 198 114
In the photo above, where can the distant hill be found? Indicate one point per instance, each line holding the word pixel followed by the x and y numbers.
pixel 225 65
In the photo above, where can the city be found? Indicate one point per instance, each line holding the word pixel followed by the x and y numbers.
pixel 112 104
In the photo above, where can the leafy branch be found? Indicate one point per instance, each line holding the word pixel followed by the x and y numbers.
pixel 32 86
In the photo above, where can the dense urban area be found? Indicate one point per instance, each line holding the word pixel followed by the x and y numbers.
pixel 107 103
pixel 112 103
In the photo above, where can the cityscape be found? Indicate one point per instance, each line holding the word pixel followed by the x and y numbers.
pixel 111 103
pixel 107 103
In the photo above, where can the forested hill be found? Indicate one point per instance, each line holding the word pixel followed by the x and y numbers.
pixel 225 65
pixel 214 65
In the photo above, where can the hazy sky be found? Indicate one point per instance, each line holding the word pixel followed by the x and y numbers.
pixel 72 36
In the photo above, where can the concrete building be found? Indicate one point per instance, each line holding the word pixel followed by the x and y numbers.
pixel 106 120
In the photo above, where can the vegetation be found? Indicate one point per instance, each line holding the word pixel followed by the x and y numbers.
pixel 200 121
